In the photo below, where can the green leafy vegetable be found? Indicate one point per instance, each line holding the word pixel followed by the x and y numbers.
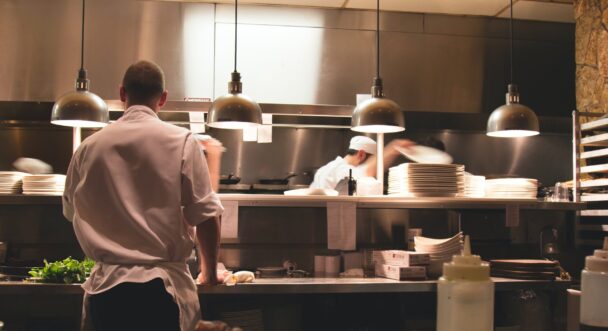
pixel 67 271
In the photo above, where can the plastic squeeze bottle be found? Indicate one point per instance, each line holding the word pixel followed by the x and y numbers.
pixel 465 294
pixel 594 291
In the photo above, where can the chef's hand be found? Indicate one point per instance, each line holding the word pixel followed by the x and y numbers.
pixel 204 279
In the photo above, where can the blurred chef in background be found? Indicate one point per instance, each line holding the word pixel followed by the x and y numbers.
pixel 361 158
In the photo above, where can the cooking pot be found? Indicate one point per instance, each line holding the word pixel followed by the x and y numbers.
pixel 279 181
pixel 229 179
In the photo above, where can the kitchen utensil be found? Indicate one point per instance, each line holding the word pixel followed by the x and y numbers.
pixel 279 181
pixel 424 154
pixel 230 179
pixel 270 272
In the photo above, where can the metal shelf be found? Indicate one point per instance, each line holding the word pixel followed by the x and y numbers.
pixel 596 153
pixel 307 286
pixel 594 212
pixel 596 140
pixel 602 123
pixel 595 168
pixel 590 197
pixel 594 183
pixel 276 200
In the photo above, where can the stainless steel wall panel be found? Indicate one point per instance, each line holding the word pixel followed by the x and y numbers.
pixel 321 18
pixel 286 55
pixel 40 56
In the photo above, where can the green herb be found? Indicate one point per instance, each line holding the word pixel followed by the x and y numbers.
pixel 67 271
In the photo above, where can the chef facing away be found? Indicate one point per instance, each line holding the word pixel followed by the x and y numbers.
pixel 139 193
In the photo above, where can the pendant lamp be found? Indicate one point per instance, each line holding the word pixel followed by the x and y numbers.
pixel 512 119
pixel 377 114
pixel 80 108
pixel 235 110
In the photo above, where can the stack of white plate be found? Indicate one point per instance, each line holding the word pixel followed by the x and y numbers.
pixel 439 250
pixel 474 186
pixel 43 184
pixel 512 188
pixel 426 180
pixel 10 182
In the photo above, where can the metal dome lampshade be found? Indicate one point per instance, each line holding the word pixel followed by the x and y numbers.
pixel 234 110
pixel 512 119
pixel 80 108
pixel 378 114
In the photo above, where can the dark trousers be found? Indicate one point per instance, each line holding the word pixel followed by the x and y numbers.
pixel 135 306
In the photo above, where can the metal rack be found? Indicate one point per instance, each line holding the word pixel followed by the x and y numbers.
pixel 590 145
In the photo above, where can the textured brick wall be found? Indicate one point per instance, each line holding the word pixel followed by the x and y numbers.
pixel 591 55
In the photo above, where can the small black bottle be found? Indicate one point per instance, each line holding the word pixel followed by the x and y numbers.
pixel 352 183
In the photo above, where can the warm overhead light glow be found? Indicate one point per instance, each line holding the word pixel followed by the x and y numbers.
pixel 234 110
pixel 80 108
pixel 512 133
pixel 79 123
pixel 232 125
pixel 512 119
pixel 377 114
pixel 377 128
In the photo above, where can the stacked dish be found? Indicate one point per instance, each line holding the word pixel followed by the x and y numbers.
pixel 426 180
pixel 512 188
pixel 11 181
pixel 474 186
pixel 439 250
pixel 525 269
pixel 43 184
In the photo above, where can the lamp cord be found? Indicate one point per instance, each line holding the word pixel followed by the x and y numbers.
pixel 511 39
pixel 378 38
pixel 236 6
pixel 82 38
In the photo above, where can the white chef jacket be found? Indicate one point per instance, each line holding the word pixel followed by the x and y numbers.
pixel 330 174
pixel 135 191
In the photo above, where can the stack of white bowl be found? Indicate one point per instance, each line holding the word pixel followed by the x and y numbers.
pixel 11 181
pixel 439 250
pixel 512 188
pixel 49 184
pixel 474 186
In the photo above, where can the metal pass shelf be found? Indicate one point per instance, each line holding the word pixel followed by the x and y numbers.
pixel 395 202
pixel 299 286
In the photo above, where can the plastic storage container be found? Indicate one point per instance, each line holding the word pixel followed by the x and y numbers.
pixel 594 291
pixel 465 294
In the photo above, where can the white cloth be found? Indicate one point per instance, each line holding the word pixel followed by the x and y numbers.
pixel 135 191
pixel 330 174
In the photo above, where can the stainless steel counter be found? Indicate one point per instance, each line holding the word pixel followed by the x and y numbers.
pixel 298 286
pixel 395 202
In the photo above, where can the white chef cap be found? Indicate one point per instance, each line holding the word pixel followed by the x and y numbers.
pixel 364 143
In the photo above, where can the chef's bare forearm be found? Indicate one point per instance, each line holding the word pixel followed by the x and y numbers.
pixel 214 163
pixel 208 235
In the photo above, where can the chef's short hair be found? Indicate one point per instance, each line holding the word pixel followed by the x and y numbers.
pixel 143 82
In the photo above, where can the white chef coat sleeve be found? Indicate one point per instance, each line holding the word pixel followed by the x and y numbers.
pixel 198 199
pixel 71 181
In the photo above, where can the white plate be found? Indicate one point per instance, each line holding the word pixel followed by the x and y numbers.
pixel 312 191
pixel 424 154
